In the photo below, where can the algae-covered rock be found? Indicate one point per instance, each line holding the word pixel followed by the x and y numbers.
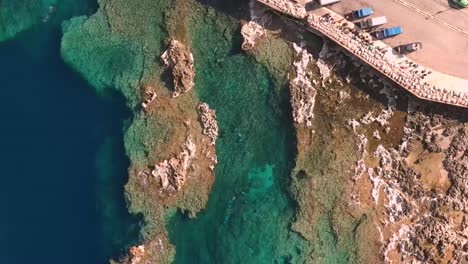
pixel 106 60
pixel 117 50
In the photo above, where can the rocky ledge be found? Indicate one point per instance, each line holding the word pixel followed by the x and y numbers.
pixel 302 92
pixel 180 60
pixel 251 32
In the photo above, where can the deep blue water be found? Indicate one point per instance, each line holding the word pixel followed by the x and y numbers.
pixel 60 201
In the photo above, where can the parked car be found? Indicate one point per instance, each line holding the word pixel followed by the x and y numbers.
pixel 410 47
pixel 388 32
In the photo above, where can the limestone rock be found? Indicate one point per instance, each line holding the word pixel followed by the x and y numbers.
pixel 208 121
pixel 180 60
pixel 172 173
pixel 136 253
pixel 302 92
pixel 251 32
pixel 148 97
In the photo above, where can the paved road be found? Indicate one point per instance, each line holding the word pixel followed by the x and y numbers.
pixel 443 30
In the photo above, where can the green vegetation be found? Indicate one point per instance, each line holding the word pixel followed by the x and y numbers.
pixel 461 3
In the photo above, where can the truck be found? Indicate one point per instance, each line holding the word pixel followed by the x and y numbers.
pixel 328 2
pixel 372 22
pixel 363 12
pixel 388 32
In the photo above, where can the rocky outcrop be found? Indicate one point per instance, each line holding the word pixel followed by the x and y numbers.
pixel 208 122
pixel 136 254
pixel 302 92
pixel 180 60
pixel 172 173
pixel 149 96
pixel 251 32
pixel 324 68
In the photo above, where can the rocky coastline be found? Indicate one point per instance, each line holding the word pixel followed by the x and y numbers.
pixel 408 178
pixel 379 177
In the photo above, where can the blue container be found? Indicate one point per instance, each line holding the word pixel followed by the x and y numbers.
pixel 367 11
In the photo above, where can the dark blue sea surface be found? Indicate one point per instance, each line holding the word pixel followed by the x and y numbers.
pixel 62 160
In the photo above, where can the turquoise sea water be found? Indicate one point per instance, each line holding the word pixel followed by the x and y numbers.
pixel 63 162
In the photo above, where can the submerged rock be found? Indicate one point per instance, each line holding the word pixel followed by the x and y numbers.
pixel 180 60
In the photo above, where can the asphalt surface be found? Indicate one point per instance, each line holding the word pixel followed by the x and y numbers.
pixel 442 29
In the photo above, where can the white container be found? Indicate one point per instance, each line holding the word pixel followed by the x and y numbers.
pixel 328 2
pixel 377 21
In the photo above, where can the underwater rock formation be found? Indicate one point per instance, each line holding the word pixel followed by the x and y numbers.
pixel 180 60
pixel 124 42
pixel 18 16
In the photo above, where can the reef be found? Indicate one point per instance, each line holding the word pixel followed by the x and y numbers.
pixel 179 60
pixel 172 153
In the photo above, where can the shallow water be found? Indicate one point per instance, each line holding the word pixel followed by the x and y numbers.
pixel 53 184
pixel 248 213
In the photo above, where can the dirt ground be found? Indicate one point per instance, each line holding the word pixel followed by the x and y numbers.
pixel 442 29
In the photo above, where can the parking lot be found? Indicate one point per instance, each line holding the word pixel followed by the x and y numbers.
pixel 442 29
